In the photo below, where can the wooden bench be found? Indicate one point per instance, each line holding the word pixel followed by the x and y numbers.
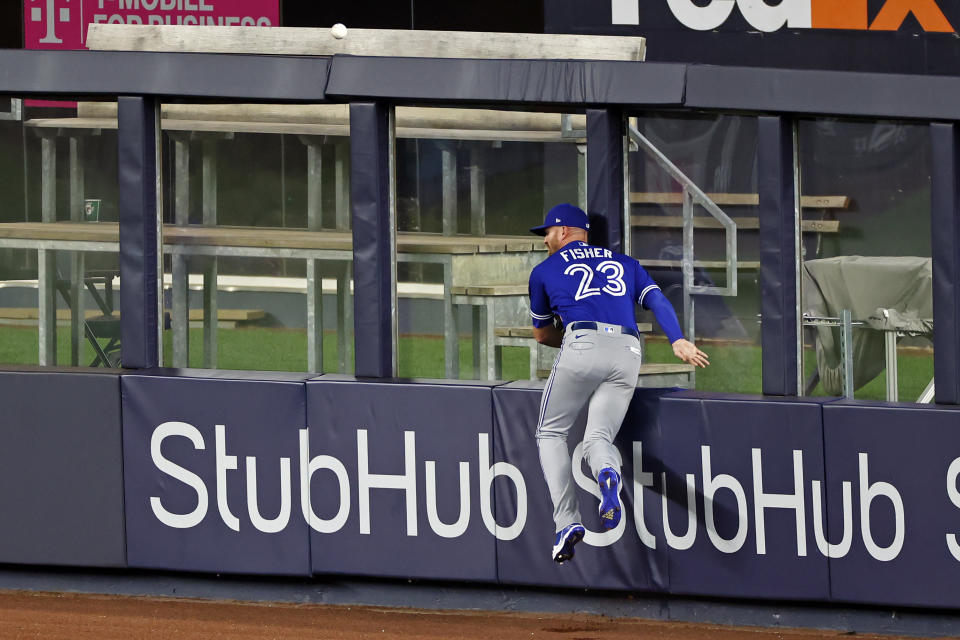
pixel 833 203
pixel 703 222
pixel 494 306
pixel 740 200
pixel 226 318
pixel 656 375
pixel 523 337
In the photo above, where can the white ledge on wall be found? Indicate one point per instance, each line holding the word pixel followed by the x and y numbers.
pixel 363 42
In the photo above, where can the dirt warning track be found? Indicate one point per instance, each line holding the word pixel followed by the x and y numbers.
pixel 69 615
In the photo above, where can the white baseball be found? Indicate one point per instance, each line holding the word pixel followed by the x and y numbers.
pixel 338 31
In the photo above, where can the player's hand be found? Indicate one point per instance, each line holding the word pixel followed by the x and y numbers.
pixel 688 352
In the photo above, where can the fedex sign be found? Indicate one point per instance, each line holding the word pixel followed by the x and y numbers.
pixel 796 14
pixel 62 24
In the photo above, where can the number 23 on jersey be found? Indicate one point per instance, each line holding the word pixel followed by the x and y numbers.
pixel 611 270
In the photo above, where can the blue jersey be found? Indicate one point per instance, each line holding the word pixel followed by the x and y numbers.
pixel 583 282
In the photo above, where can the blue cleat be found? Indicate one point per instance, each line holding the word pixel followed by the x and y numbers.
pixel 566 539
pixel 609 481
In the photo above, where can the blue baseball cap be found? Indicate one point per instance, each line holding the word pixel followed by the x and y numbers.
pixel 563 215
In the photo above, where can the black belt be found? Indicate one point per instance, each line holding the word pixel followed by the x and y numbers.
pixel 589 324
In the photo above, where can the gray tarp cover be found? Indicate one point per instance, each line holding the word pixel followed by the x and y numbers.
pixel 885 292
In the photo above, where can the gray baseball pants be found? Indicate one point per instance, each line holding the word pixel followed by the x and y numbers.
pixel 592 367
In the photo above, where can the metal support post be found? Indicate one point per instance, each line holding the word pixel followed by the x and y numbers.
pixel 449 185
pixel 76 257
pixel 314 316
pixel 479 318
pixel 314 182
pixel 180 276
pixel 342 185
pixel 686 265
pixel 314 270
pixel 210 268
pixel 582 176
pixel 344 315
pixel 890 345
pixel 846 347
pixel 478 188
pixel 451 332
pixel 47 259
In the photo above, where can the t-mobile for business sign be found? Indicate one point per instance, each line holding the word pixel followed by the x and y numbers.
pixel 62 24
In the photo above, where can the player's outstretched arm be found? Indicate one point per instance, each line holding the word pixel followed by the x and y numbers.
pixel 688 352
pixel 667 317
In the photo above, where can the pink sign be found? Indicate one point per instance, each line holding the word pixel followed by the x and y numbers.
pixel 62 24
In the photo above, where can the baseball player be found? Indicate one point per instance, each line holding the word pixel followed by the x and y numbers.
pixel 590 292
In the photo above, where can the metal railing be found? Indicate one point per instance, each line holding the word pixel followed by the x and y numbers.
pixel 846 325
pixel 15 112
pixel 693 195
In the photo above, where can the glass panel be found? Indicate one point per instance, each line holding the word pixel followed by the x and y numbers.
pixel 718 154
pixel 257 245
pixel 867 249
pixel 470 184
pixel 58 239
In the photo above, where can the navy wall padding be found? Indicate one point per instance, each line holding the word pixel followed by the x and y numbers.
pixel 605 175
pixel 61 469
pixel 732 427
pixel 153 73
pixel 451 428
pixel 945 238
pixel 506 81
pixel 137 201
pixel 370 180
pixel 880 95
pixel 778 292
pixel 261 420
pixel 910 447
pixel 604 560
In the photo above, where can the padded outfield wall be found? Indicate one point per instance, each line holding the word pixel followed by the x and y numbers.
pixel 250 473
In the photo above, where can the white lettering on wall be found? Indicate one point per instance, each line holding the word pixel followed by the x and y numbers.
pixel 762 501
pixel 826 548
pixel 224 463
pixel 336 484
pixel 175 471
pixel 641 480
pixel 701 18
pixel 307 468
pixel 687 539
pixel 710 487
pixel 795 14
pixel 487 474
pixel 625 11
pixel 952 472
pixel 259 522
pixel 868 493
pixel 439 527
pixel 406 482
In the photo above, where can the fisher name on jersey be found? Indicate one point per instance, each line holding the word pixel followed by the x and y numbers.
pixel 584 282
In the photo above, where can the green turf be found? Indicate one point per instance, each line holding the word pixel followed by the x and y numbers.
pixel 736 369
pixel 733 368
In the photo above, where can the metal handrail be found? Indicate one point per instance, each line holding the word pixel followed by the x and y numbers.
pixel 16 110
pixel 692 194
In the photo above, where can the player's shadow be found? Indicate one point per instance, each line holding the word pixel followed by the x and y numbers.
pixel 674 486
